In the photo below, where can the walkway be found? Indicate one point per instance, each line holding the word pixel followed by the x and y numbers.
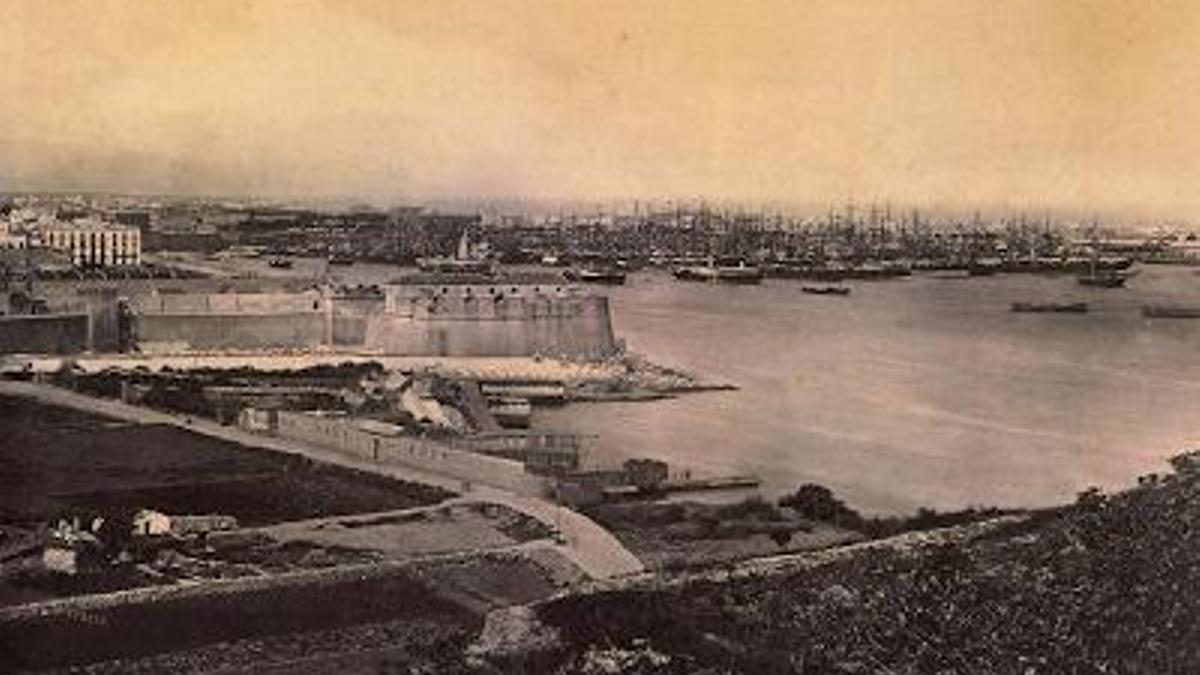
pixel 595 550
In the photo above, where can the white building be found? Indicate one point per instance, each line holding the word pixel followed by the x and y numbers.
pixel 93 243
pixel 149 522
pixel 10 240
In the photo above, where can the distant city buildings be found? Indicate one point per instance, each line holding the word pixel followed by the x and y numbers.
pixel 10 240
pixel 94 243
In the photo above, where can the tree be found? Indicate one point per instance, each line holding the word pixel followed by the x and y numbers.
pixel 817 502
pixel 646 474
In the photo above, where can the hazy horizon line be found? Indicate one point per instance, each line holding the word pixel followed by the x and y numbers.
pixel 901 209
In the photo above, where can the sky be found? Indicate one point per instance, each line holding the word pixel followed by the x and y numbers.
pixel 1015 103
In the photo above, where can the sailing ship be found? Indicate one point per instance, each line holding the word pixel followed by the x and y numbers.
pixel 466 260
pixel 713 273
pixel 1102 276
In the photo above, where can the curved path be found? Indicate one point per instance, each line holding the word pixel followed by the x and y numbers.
pixel 591 547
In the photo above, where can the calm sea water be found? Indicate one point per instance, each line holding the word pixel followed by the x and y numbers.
pixel 911 392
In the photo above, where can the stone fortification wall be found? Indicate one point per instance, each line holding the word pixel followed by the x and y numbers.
pixel 409 320
pixel 47 334
pixel 404 299
pixel 493 321
pixel 64 292
pixel 213 331
pixel 351 317
pixel 234 321
pixel 228 303
pixel 345 435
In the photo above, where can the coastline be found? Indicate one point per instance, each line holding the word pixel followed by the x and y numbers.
pixel 622 378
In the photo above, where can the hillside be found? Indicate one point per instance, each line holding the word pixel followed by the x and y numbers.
pixel 1109 584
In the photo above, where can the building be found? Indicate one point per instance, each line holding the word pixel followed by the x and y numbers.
pixel 72 548
pixel 151 523
pixel 11 242
pixel 94 243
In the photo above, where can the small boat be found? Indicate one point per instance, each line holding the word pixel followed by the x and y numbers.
pixel 952 273
pixel 341 259
pixel 825 290
pixel 613 277
pixel 1170 312
pixel 983 268
pixel 740 274
pixel 1056 307
pixel 280 263
pixel 455 266
pixel 1103 279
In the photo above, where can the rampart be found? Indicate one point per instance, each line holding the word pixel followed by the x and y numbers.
pixel 493 320
pixel 404 319
pixel 241 321
pixel 208 331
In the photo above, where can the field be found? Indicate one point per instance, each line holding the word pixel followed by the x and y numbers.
pixel 56 461
pixel 293 619
pixel 365 619
pixel 330 577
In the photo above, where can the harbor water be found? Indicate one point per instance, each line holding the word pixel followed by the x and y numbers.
pixel 914 392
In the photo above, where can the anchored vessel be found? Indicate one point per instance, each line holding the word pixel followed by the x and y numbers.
pixel 466 260
pixel 825 290
pixel 1059 307
pixel 1170 312
pixel 1103 279
pixel 729 274
pixel 597 275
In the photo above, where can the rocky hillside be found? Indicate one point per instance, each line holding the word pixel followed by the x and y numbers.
pixel 1109 584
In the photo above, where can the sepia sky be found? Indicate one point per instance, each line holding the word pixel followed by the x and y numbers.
pixel 1020 103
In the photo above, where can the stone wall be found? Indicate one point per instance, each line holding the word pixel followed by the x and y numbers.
pixel 212 331
pixel 472 325
pixel 351 318
pixel 412 321
pixel 345 435
pixel 47 334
